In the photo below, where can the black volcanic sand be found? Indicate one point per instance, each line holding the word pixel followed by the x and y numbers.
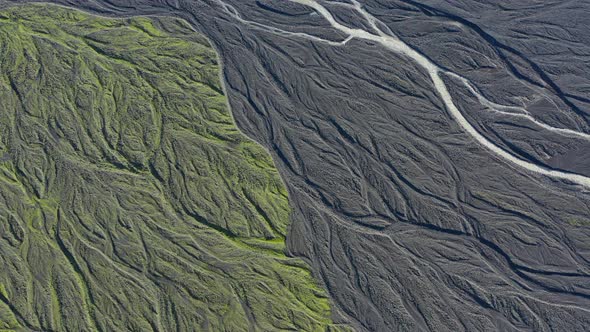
pixel 409 223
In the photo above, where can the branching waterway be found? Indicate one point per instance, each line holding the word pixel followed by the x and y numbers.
pixel 391 42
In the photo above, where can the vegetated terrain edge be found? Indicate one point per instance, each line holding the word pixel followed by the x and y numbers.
pixel 129 199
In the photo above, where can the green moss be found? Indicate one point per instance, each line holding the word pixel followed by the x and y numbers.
pixel 129 199
pixel 578 222
pixel 3 291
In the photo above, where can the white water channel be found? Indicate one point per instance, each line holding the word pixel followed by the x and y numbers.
pixel 392 43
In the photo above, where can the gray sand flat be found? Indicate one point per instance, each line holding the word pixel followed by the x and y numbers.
pixel 409 222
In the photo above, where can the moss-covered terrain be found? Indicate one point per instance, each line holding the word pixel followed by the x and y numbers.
pixel 129 200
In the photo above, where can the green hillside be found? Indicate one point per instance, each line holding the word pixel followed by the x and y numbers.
pixel 129 200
